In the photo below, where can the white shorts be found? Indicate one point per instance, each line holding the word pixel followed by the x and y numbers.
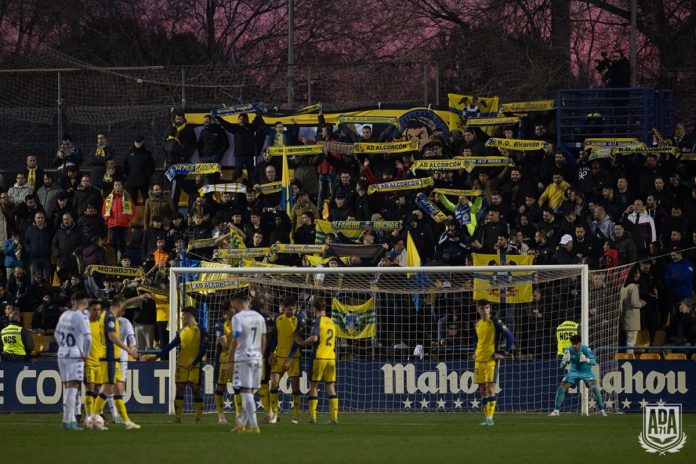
pixel 71 370
pixel 124 369
pixel 247 374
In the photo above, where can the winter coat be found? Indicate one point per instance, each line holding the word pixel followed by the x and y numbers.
pixel 37 242
pixel 630 307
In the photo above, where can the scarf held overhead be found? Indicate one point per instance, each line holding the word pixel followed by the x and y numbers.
pixel 225 188
pixel 184 169
pixel 431 208
pixel 398 185
pixel 517 144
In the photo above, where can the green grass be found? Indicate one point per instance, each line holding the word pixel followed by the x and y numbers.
pixel 359 438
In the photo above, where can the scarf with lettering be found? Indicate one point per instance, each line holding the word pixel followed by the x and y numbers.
pixel 398 185
pixel 431 208
pixel 125 201
pixel 192 168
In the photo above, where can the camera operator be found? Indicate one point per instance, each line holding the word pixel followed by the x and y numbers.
pixel 617 72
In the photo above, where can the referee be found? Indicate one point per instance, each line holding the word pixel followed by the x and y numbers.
pixel 16 341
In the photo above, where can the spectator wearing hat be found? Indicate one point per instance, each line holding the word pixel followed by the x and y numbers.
pixel 47 194
pixel 118 212
pixel 85 194
pixel 138 167
pixel 63 205
pixel 341 211
pixel 160 204
pixel 96 161
pixel 301 206
pixel 422 236
pixel 564 252
pixel 151 235
pixel 177 229
pixel 92 224
pixel 37 243
pixel 280 233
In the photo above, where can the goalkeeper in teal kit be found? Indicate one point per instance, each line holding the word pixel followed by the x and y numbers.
pixel 580 360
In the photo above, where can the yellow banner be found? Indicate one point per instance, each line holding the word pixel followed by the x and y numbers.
pixel 386 147
pixel 299 249
pixel 152 290
pixel 645 150
pixel 214 285
pixel 114 270
pixel 518 145
pixel 201 243
pixel 458 192
pixel 472 162
pixel 228 188
pixel 438 165
pixel 687 157
pixel 359 225
pixel 398 185
pixel 366 119
pixel 612 142
pixel 528 106
pixel 503 287
pixel 497 121
pixel 354 321
pixel 269 188
pixel 298 150
pixel 252 263
pixel 225 253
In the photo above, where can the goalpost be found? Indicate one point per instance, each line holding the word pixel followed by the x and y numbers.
pixel 406 335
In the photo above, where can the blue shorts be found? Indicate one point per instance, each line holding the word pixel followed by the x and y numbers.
pixel 573 377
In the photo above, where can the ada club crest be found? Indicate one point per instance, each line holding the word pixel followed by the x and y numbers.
pixel 662 429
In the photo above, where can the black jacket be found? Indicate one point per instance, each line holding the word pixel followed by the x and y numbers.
pixel 84 197
pixel 37 242
pixel 92 226
pixel 65 243
pixel 244 136
pixel 138 167
pixel 213 141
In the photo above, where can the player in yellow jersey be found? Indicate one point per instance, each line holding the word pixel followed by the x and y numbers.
pixel 192 340
pixel 323 341
pixel 111 362
pixel 94 377
pixel 488 333
pixel 223 334
pixel 286 358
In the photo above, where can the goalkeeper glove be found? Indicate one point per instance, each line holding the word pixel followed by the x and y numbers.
pixel 566 357
pixel 584 359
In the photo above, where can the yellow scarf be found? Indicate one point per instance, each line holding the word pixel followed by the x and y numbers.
pixel 100 152
pixel 31 177
pixel 125 201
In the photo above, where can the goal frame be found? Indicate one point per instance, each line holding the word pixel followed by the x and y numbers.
pixel 175 271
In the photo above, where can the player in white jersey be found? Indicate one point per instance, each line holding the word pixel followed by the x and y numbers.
pixel 74 339
pixel 247 347
pixel 127 334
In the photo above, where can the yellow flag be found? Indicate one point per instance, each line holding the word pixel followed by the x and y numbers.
pixel 505 287
pixel 413 258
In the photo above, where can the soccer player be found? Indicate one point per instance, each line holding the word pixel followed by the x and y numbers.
pixel 74 339
pixel 192 340
pixel 580 359
pixel 111 362
pixel 223 334
pixel 285 358
pixel 94 376
pixel 247 348
pixel 323 340
pixel 259 305
pixel 127 334
pixel 488 333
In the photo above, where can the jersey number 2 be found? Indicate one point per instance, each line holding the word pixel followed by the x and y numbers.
pixel 329 339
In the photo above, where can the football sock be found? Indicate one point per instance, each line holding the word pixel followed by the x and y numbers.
pixel 69 398
pixel 78 402
pixel 112 405
pixel 265 398
pixel 484 406
pixel 219 403
pixel 296 403
pixel 99 403
pixel 249 410
pixel 333 407
pixel 598 397
pixel 491 406
pixel 274 401
pixel 178 405
pixel 313 403
pixel 90 398
pixel 238 403
pixel 120 407
pixel 198 406
pixel 560 396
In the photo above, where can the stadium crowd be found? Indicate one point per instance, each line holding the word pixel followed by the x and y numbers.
pixel 94 206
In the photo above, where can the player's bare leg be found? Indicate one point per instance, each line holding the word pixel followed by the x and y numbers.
pixel 69 398
pixel 296 399
pixel 560 397
pixel 333 402
pixel 313 402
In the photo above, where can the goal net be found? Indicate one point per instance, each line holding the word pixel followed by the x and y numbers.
pixel 406 335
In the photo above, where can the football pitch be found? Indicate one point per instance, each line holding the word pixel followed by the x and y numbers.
pixel 359 438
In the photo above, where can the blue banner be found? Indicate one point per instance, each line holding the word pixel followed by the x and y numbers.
pixel 524 386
